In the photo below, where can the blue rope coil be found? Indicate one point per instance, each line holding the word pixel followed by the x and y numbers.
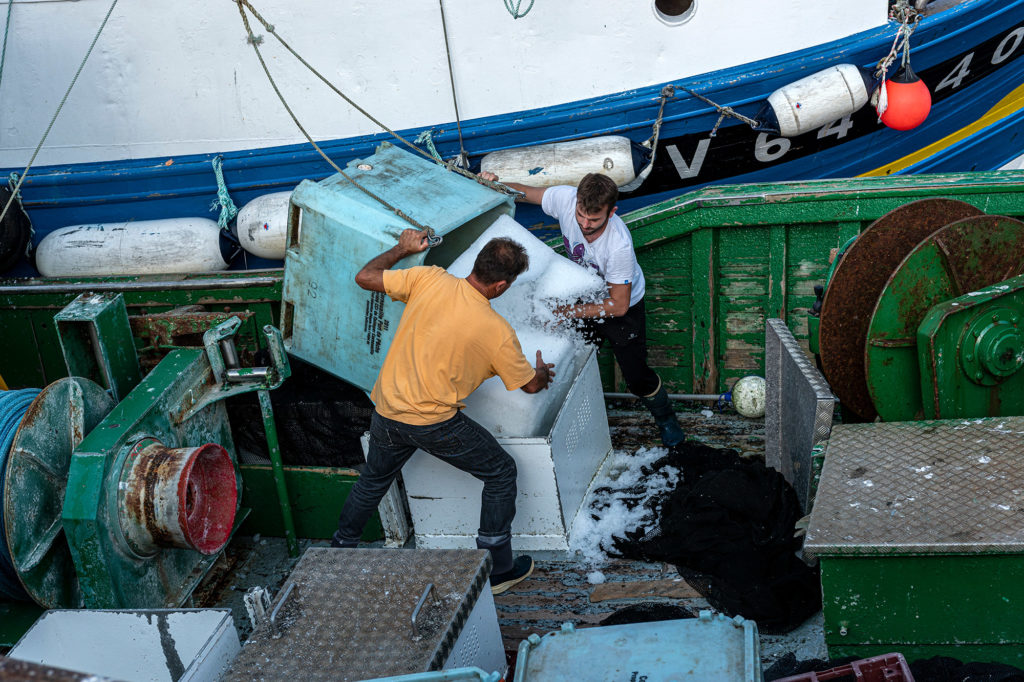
pixel 13 406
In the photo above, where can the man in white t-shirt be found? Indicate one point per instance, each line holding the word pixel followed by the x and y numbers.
pixel 596 238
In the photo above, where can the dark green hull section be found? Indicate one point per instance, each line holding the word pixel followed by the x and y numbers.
pixel 718 263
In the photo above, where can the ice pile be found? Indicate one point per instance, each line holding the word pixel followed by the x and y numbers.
pixel 551 281
pixel 620 502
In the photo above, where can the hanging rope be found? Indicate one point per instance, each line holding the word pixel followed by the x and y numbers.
pixel 266 70
pixel 463 157
pixel 60 106
pixel 7 30
pixel 255 41
pixel 667 93
pixel 513 8
pixel 13 406
pixel 13 185
pixel 427 138
pixel 228 210
pixel 722 111
pixel 652 142
pixel 908 18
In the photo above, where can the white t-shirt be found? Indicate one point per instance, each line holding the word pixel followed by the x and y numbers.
pixel 611 255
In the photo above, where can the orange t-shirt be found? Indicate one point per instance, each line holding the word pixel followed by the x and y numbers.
pixel 448 342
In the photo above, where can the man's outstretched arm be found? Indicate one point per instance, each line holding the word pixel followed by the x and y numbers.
pixel 616 305
pixel 371 277
pixel 531 194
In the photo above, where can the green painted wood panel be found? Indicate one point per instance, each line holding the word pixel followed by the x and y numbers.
pixel 316 493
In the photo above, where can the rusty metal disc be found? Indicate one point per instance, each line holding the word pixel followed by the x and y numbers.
pixel 859 280
pixel 962 257
pixel 34 484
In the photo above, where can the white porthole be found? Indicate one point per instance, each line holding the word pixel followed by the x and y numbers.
pixel 674 12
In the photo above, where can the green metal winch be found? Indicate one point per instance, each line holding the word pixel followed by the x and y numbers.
pixel 120 492
pixel 920 317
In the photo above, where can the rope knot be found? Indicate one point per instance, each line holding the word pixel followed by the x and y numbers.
pixel 228 210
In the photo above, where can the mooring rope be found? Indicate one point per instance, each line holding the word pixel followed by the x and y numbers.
pixel 270 29
pixel 13 406
pixel 60 106
pixel 255 46
pixel 7 30
pixel 463 157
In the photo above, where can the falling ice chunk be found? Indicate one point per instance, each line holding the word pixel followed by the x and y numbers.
pixel 984 459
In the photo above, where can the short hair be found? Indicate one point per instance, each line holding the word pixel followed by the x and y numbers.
pixel 597 192
pixel 501 259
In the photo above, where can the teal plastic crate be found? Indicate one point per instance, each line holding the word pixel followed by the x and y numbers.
pixel 335 228
pixel 710 647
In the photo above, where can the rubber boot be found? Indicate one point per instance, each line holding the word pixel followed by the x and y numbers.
pixel 665 417
pixel 505 571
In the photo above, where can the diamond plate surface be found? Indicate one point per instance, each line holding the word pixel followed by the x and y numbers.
pixel 798 409
pixel 349 615
pixel 932 487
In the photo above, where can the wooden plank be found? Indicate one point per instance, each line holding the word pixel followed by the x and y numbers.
pixel 674 588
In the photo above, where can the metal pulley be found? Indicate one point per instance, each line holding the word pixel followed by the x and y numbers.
pixel 895 336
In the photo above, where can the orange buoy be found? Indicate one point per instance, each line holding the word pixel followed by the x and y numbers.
pixel 908 99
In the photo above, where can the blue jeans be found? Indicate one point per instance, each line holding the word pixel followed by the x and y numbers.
pixel 461 442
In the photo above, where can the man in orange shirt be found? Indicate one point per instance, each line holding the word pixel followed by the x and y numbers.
pixel 449 340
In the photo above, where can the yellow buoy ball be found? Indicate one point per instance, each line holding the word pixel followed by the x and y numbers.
pixel 748 396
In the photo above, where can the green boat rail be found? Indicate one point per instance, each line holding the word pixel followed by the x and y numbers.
pixel 718 262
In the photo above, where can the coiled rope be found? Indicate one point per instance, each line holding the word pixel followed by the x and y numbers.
pixel 13 406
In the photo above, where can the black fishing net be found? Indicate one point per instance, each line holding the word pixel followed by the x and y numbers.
pixel 647 612
pixel 728 528
pixel 319 420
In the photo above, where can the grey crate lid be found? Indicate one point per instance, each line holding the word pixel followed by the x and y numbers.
pixel 348 616
pixel 930 487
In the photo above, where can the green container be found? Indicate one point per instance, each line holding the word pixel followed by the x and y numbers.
pixel 918 530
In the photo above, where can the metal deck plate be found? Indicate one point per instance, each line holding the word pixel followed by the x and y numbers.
pixel 349 615
pixel 798 409
pixel 935 487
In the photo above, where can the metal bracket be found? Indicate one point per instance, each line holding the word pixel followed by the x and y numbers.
pixel 228 378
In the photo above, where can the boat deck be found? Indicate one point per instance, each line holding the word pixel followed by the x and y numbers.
pixel 559 590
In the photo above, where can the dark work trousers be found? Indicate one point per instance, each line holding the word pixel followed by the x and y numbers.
pixel 627 336
pixel 461 442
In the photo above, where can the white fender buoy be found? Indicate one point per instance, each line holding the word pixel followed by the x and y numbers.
pixel 815 101
pixel 146 247
pixel 262 225
pixel 564 163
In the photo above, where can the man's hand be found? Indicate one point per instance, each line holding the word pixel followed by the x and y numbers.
pixel 530 194
pixel 544 373
pixel 412 241
pixel 371 277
